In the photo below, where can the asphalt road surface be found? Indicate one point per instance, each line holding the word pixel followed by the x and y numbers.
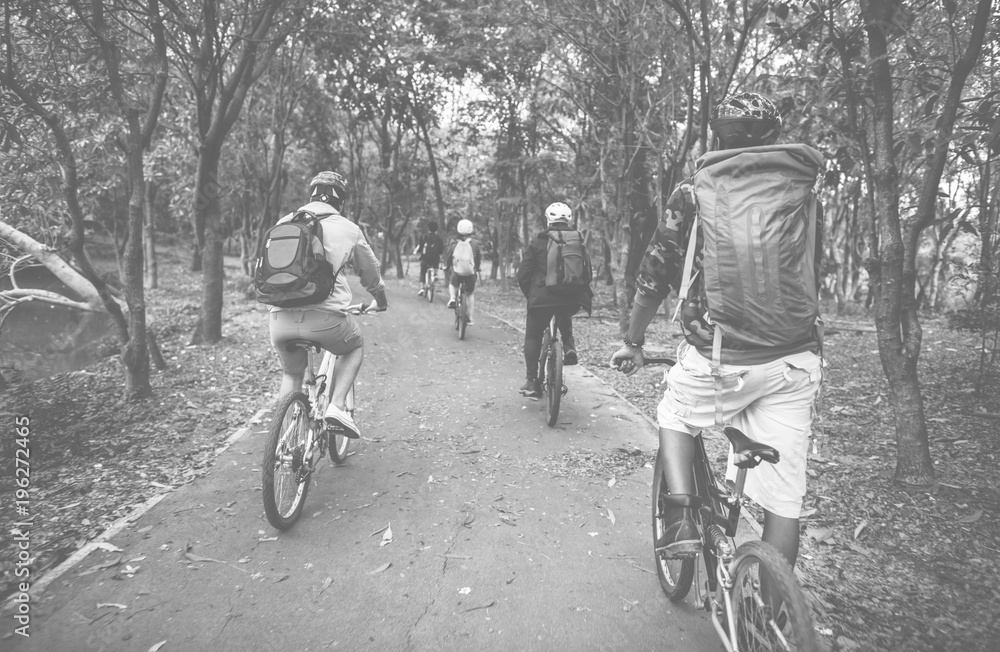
pixel 460 522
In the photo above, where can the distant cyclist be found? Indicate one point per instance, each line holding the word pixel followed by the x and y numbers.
pixel 429 249
pixel 325 322
pixel 463 261
pixel 549 295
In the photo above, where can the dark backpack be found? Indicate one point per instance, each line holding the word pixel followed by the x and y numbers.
pixel 757 212
pixel 292 269
pixel 567 265
pixel 433 246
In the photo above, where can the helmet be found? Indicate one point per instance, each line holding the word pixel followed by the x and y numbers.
pixel 464 227
pixel 746 120
pixel 330 184
pixel 558 213
pixel 432 227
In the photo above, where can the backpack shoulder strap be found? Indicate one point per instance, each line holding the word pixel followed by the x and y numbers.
pixel 687 278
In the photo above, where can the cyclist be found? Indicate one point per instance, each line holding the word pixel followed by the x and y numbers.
pixel 430 249
pixel 544 302
pixel 767 391
pixel 463 261
pixel 325 322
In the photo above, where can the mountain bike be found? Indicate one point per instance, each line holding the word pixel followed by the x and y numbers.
pixel 550 372
pixel 742 617
pixel 461 310
pixel 430 279
pixel 298 437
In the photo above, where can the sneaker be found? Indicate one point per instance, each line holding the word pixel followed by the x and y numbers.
pixel 569 358
pixel 681 538
pixel 451 303
pixel 421 292
pixel 470 322
pixel 337 417
pixel 532 388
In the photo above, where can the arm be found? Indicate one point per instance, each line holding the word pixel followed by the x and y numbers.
pixel 366 266
pixel 477 253
pixel 658 272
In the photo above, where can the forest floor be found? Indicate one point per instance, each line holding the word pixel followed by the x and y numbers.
pixel 890 567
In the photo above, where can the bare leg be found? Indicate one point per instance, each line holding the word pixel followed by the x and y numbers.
pixel 677 451
pixel 290 383
pixel 782 533
pixel 471 299
pixel 346 370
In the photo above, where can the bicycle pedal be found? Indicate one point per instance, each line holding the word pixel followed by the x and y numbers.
pixel 565 390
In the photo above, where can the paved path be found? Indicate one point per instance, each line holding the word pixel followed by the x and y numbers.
pixel 499 540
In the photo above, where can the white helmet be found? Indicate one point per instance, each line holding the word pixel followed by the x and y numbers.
pixel 558 213
pixel 465 227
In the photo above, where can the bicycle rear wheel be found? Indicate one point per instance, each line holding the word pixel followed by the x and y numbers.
pixel 553 381
pixel 757 628
pixel 338 442
pixel 463 316
pixel 429 280
pixel 675 575
pixel 284 482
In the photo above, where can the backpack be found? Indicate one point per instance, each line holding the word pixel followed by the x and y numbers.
pixel 433 246
pixel 463 258
pixel 292 269
pixel 567 263
pixel 757 210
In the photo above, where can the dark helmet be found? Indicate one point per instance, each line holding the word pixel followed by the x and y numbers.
pixel 432 227
pixel 327 186
pixel 746 120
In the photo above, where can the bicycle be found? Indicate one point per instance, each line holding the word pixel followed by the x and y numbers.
pixel 742 618
pixel 461 311
pixel 298 437
pixel 550 372
pixel 430 278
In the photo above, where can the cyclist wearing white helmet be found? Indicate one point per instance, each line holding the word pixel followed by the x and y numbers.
pixel 325 322
pixel 462 264
pixel 546 300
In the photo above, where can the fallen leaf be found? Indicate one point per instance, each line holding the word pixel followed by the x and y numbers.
pixel 611 516
pixel 326 584
pixel 103 565
pixel 612 482
pixel 485 606
pixel 381 568
pixel 110 547
pixel 465 590
pixel 117 605
pixel 593 534
pixel 156 647
pixel 386 537
pixel 972 518
pixel 263 539
pixel 861 526
pixel 821 535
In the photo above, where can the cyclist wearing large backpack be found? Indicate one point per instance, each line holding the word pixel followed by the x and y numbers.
pixel 429 249
pixel 324 321
pixel 555 277
pixel 462 262
pixel 741 240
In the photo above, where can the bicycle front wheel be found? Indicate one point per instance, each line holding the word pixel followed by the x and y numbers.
pixel 285 483
pixel 675 575
pixel 771 609
pixel 554 381
pixel 338 442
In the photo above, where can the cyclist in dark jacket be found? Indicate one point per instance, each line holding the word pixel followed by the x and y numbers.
pixel 543 303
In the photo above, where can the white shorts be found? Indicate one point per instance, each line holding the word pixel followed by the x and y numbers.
pixel 771 403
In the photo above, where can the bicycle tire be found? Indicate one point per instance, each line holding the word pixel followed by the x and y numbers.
pixel 675 575
pixel 756 628
pixel 429 282
pixel 286 437
pixel 339 443
pixel 553 382
pixel 463 317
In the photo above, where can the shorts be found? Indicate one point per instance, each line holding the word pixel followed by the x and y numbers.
pixel 469 282
pixel 428 263
pixel 335 332
pixel 771 403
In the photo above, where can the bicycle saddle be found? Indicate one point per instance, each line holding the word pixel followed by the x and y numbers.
pixel 300 343
pixel 744 445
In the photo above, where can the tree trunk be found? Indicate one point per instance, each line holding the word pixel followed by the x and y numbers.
pixel 149 237
pixel 209 210
pixel 135 353
pixel 899 357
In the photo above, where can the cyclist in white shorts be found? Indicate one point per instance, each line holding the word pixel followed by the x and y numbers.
pixel 325 322
pixel 767 392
